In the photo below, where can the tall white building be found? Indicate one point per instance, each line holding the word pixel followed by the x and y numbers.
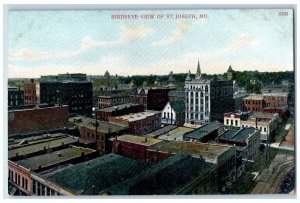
pixel 197 99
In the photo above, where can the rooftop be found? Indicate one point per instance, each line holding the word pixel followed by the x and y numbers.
pixel 174 174
pixel 210 152
pixel 102 172
pixel 141 140
pixel 263 115
pixel 119 107
pixel 54 157
pixel 239 135
pixel 38 146
pixel 103 126
pixel 204 130
pixel 176 93
pixel 138 116
pixel 276 94
pixel 176 134
pixel 178 106
pixel 161 131
pixel 282 107
pixel 254 97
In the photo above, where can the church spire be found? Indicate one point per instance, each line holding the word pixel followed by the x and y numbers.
pixel 198 74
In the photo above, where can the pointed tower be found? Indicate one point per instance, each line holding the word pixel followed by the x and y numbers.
pixel 198 74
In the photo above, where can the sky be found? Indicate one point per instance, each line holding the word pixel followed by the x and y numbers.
pixel 91 42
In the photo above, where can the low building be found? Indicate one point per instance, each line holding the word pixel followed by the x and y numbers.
pixel 173 113
pixel 20 171
pixel 172 176
pixel 101 137
pixel 246 140
pixel 281 110
pixel 119 110
pixel 233 120
pixel 133 146
pixel 223 156
pixel 276 98
pixel 15 97
pixel 205 133
pixel 253 103
pixel 161 131
pixel 36 119
pixel 266 122
pixel 139 123
pixel 89 178
pixel 112 100
pixel 33 146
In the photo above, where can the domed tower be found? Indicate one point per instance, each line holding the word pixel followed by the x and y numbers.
pixel 230 73
pixel 171 77
pixel 188 77
pixel 106 75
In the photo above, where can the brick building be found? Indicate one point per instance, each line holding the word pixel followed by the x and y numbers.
pixel 282 110
pixel 222 155
pixel 253 103
pixel 15 97
pixel 30 94
pixel 276 98
pixel 37 119
pixel 119 110
pixel 112 100
pixel 152 98
pixel 133 146
pixel 139 123
pixel 101 137
pixel 69 89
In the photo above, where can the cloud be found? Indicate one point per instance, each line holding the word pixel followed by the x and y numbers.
pixel 181 29
pixel 127 34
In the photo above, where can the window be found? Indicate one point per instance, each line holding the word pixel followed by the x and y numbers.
pixel 231 122
pixel 265 129
pixel 236 123
pixel 168 115
pixel 227 121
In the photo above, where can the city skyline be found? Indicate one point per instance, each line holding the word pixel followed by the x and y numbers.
pixel 55 42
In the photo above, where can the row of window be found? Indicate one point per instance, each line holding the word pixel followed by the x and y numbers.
pixel 167 115
pixel 252 102
pixel 16 178
pixel 197 87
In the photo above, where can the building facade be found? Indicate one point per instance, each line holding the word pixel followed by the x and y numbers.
pixel 15 97
pixel 253 103
pixel 30 97
pixel 207 100
pixel 76 92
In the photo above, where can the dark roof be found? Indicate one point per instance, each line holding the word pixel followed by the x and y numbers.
pixel 103 126
pixel 54 157
pixel 161 131
pixel 178 106
pixel 167 177
pixel 239 135
pixel 102 172
pixel 176 93
pixel 118 107
pixel 204 130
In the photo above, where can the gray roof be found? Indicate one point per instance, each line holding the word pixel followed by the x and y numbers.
pixel 101 173
pixel 178 106
pixel 161 131
pixel 169 176
pixel 239 135
pixel 176 93
pixel 119 107
pixel 204 130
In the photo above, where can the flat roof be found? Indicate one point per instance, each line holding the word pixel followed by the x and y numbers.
pixel 34 108
pixel 281 94
pixel 263 115
pixel 174 174
pixel 141 140
pixel 161 131
pixel 103 126
pixel 138 116
pixel 203 130
pixel 118 107
pixel 209 152
pixel 176 134
pixel 54 157
pixel 282 107
pixel 254 97
pixel 102 173
pixel 239 135
pixel 67 139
